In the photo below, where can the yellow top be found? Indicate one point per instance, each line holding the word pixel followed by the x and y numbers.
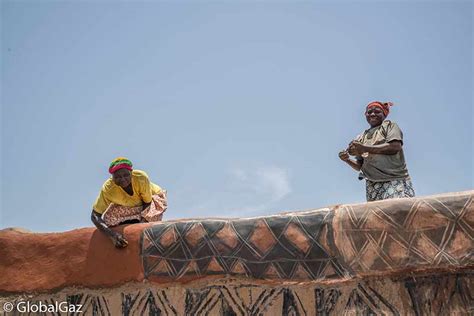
pixel 143 189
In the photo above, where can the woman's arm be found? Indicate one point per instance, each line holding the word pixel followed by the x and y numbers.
pixel 390 148
pixel 117 238
pixel 355 164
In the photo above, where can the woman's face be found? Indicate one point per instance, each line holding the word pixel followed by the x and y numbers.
pixel 374 116
pixel 122 177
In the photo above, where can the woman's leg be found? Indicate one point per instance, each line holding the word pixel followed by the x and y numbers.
pixel 409 190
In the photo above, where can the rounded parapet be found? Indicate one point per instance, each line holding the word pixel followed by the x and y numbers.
pixel 324 246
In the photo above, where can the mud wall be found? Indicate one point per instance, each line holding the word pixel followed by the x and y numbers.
pixel 394 257
pixel 441 294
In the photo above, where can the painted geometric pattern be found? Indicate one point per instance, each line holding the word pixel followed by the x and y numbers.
pixel 449 294
pixel 317 245
pixel 296 246
pixel 90 304
pixel 412 232
pixel 147 303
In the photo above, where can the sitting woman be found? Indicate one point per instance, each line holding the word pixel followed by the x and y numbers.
pixel 379 156
pixel 127 197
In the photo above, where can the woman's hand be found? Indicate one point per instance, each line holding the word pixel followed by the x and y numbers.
pixel 357 148
pixel 118 240
pixel 344 155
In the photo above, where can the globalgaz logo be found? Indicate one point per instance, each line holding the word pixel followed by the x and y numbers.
pixel 40 307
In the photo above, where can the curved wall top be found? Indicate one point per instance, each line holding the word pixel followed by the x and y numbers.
pixel 322 246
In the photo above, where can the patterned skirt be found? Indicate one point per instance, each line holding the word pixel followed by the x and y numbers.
pixel 116 214
pixel 400 188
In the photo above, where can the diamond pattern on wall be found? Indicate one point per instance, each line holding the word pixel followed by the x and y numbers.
pixel 343 242
pixel 262 238
pixel 274 247
pixel 411 232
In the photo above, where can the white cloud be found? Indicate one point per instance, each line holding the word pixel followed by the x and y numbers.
pixel 266 184
pixel 238 174
pixel 244 190
pixel 273 180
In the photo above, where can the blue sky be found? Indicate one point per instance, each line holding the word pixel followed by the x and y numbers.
pixel 236 108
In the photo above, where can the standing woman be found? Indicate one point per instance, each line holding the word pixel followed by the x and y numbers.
pixel 127 197
pixel 379 156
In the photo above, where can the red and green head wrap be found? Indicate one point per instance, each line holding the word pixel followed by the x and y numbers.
pixel 385 106
pixel 120 163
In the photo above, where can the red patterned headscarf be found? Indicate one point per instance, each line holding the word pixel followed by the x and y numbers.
pixel 385 106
